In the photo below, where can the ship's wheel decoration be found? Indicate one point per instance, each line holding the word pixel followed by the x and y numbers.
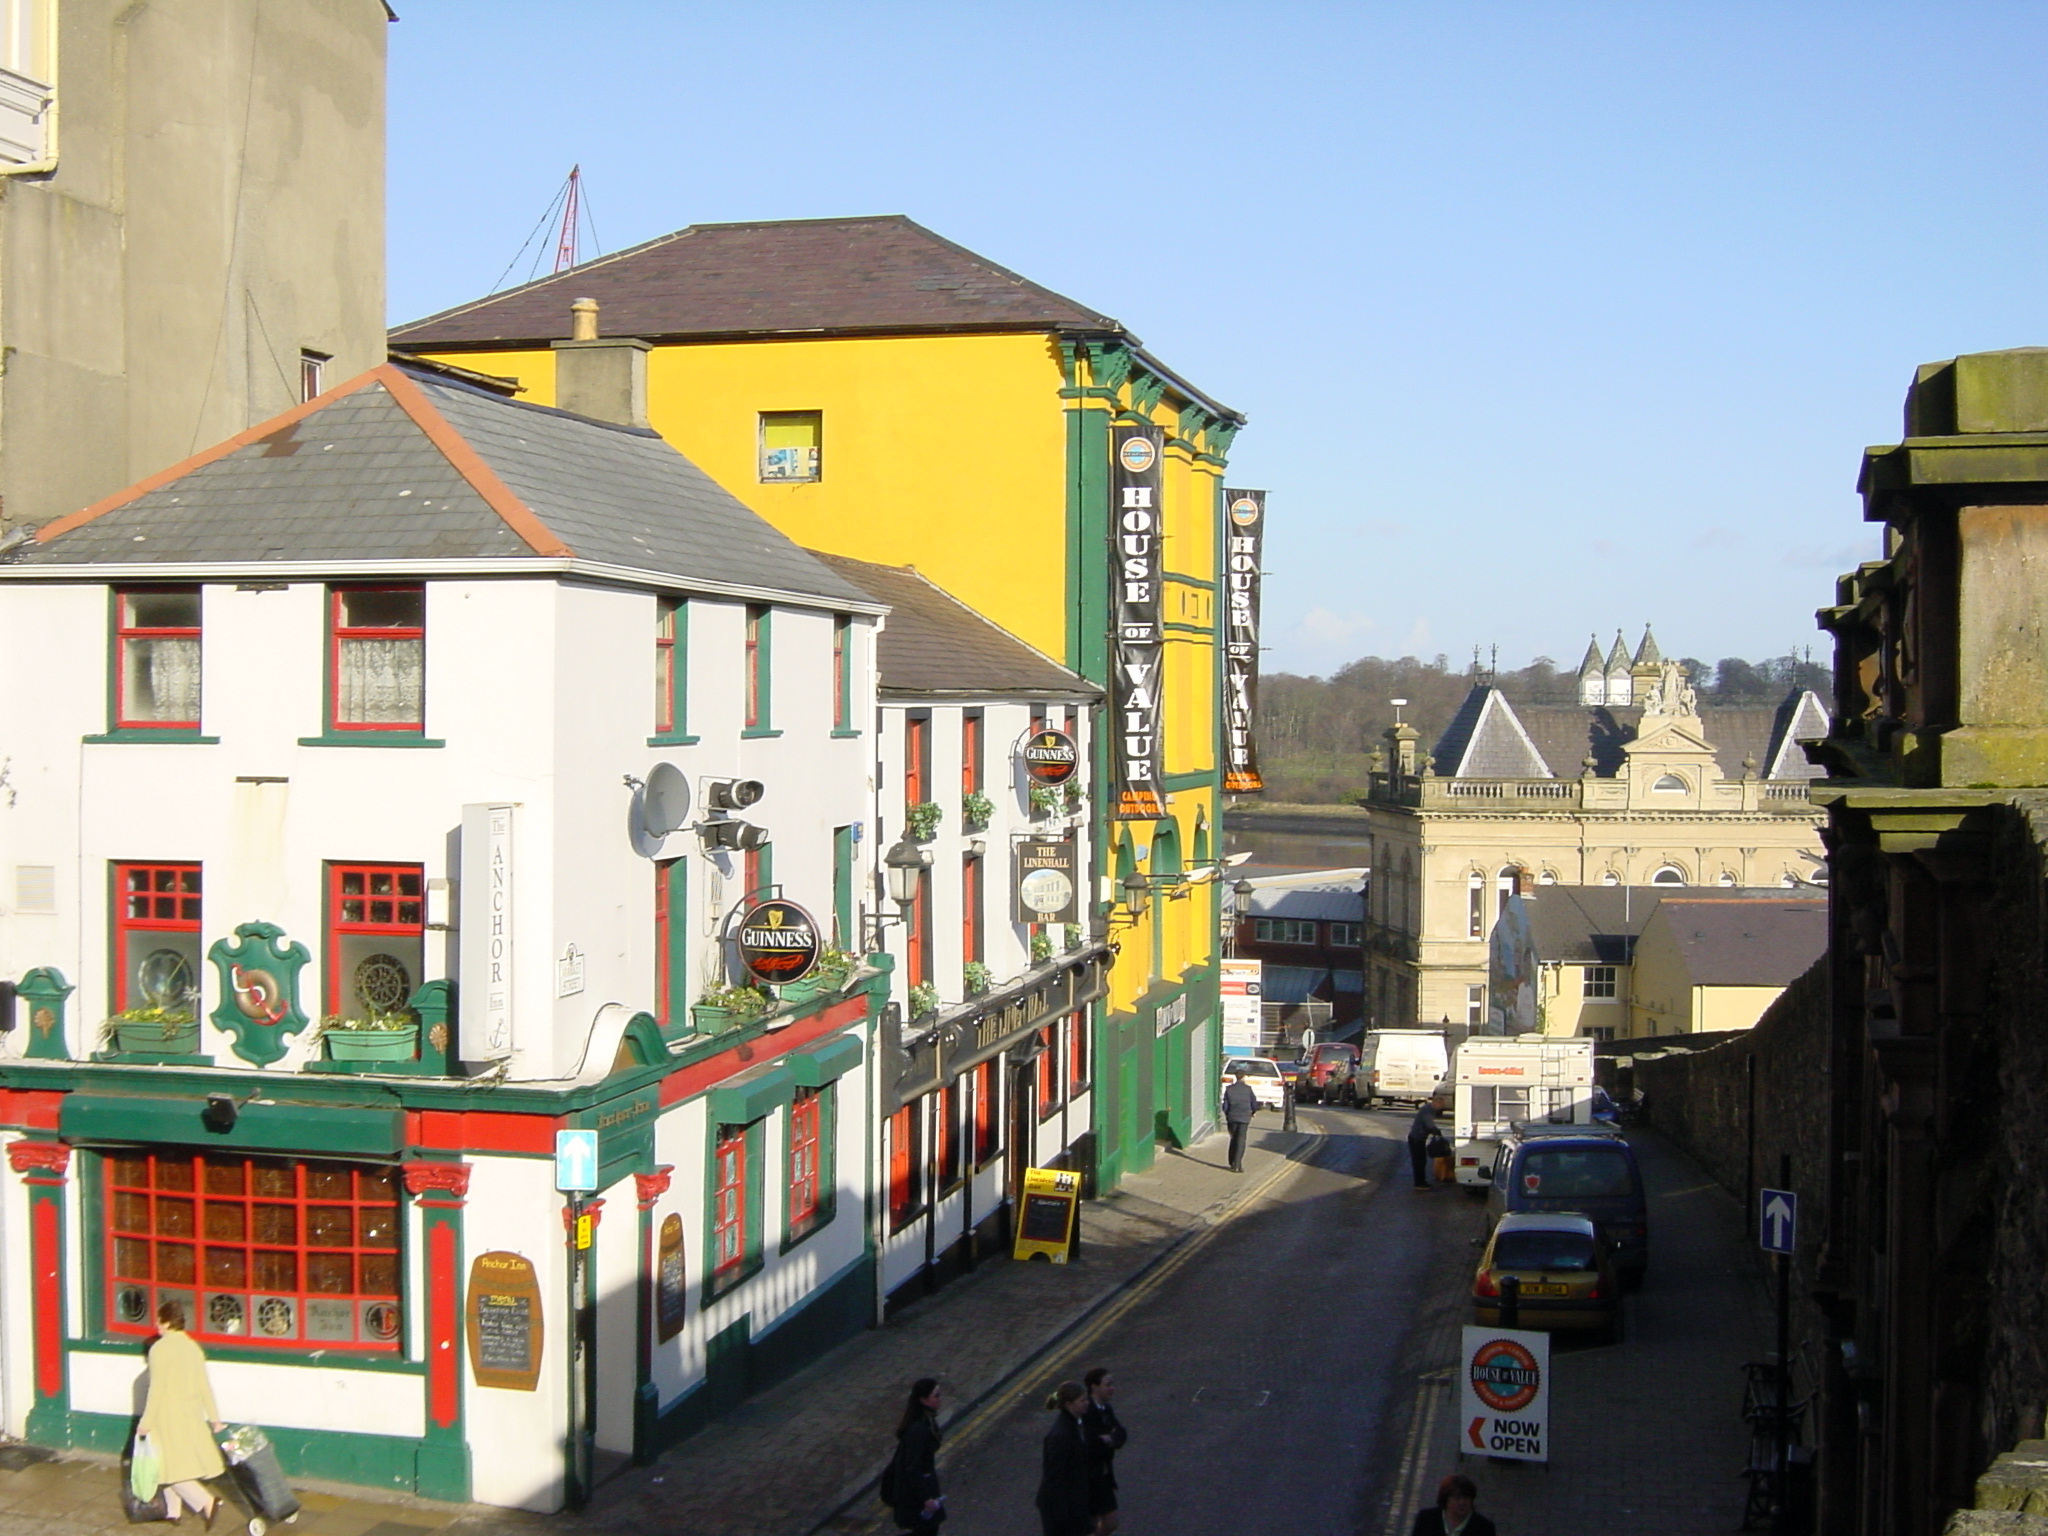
pixel 259 990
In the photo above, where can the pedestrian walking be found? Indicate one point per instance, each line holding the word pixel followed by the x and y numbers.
pixel 1454 1514
pixel 1105 1436
pixel 910 1485
pixel 180 1418
pixel 1063 1465
pixel 1239 1105
pixel 1420 1130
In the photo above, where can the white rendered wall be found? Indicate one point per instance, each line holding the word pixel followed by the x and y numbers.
pixel 516 1438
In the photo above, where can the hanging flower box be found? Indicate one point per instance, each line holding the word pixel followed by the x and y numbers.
pixel 724 1008
pixel 387 1037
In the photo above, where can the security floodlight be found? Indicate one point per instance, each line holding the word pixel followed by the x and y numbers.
pixel 733 794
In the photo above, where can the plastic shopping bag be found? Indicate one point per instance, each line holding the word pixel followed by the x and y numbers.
pixel 143 1470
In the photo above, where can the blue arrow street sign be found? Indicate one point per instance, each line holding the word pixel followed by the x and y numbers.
pixel 576 1162
pixel 1777 1223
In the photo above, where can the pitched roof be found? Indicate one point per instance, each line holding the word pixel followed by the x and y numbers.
pixel 1592 924
pixel 1738 943
pixel 935 644
pixel 1591 664
pixel 876 274
pixel 1337 903
pixel 1485 740
pixel 1480 742
pixel 394 466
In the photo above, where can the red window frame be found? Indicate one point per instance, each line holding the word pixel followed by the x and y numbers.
pixel 987 1125
pixel 757 620
pixel 756 868
pixel 125 631
pixel 842 671
pixel 970 752
pixel 227 1234
pixel 666 625
pixel 729 1202
pixel 340 634
pixel 1048 1072
pixel 391 899
pixel 904 1169
pixel 970 907
pixel 806 1124
pixel 917 759
pixel 1077 1052
pixel 948 1160
pixel 151 898
pixel 918 934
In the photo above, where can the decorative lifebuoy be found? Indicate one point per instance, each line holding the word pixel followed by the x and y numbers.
pixel 259 995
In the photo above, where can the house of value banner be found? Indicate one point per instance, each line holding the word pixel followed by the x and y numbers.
pixel 1139 636
pixel 1243 537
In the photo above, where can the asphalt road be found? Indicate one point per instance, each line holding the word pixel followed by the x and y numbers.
pixel 1266 1382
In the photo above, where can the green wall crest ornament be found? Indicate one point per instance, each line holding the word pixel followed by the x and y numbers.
pixel 259 990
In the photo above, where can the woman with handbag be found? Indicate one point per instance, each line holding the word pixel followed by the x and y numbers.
pixel 180 1418
pixel 911 1484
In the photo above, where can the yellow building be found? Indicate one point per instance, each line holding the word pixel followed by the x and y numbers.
pixel 1656 792
pixel 1706 963
pixel 878 392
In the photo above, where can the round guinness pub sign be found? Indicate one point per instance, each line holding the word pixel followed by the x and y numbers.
pixel 1050 757
pixel 778 942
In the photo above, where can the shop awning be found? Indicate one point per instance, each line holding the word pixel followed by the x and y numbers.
pixel 829 1059
pixel 1293 983
pixel 752 1095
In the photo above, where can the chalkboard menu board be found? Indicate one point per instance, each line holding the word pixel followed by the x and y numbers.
pixel 505 1326
pixel 671 1308
pixel 1045 1218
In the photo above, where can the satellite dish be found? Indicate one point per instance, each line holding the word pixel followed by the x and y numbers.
pixel 665 804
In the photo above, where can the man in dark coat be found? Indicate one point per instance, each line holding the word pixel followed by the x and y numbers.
pixel 1239 1105
pixel 1420 1130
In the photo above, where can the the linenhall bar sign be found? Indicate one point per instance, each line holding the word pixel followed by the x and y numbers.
pixel 778 942
pixel 1136 562
pixel 1243 537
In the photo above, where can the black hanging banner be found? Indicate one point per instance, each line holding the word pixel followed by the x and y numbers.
pixel 1243 537
pixel 1138 637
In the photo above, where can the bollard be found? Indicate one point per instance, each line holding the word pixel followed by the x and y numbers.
pixel 1287 1106
pixel 1510 1302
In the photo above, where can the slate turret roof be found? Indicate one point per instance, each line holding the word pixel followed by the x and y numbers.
pixel 395 466
pixel 1490 738
pixel 934 644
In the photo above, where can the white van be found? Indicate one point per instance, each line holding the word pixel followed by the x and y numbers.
pixel 1401 1064
pixel 1498 1082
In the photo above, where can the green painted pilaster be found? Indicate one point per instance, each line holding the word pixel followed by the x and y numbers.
pixel 45 992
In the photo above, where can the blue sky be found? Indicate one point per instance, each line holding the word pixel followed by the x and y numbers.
pixel 1549 318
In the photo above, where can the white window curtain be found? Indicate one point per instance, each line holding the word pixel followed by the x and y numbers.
pixel 382 682
pixel 162 679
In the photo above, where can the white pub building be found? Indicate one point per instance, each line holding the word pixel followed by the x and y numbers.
pixel 382 792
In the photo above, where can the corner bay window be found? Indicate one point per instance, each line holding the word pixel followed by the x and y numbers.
pixel 378 666
pixel 258 1250
pixel 806 1129
pixel 156 633
pixel 376 938
pixel 729 1203
pixel 156 938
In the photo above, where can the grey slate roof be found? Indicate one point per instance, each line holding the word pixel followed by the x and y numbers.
pixel 1746 943
pixel 874 274
pixel 397 466
pixel 1488 736
pixel 933 643
pixel 1318 903
pixel 1592 924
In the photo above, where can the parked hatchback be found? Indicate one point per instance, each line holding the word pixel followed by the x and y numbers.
pixel 1563 1275
pixel 1593 1174
pixel 1327 1073
pixel 1261 1075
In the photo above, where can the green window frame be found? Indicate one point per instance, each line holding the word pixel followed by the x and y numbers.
pixel 671 945
pixel 842 675
pixel 759 648
pixel 842 887
pixel 671 673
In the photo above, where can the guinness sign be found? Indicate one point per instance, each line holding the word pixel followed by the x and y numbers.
pixel 1050 757
pixel 778 943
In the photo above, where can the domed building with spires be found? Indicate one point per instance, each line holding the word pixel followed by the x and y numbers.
pixel 1639 783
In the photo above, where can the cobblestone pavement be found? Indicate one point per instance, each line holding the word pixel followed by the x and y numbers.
pixel 1647 1434
pixel 790 1458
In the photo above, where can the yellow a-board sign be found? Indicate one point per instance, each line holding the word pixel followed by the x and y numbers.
pixel 1045 1227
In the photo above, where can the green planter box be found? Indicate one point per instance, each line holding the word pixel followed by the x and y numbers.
pixel 707 1020
pixel 154 1040
pixel 372 1044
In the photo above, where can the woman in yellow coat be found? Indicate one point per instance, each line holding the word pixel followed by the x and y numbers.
pixel 180 1418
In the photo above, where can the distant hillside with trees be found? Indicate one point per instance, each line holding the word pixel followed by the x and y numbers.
pixel 1315 732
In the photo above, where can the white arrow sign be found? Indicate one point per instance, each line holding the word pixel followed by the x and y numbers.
pixel 1777 1220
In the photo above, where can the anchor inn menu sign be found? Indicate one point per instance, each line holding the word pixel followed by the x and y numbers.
pixel 1139 636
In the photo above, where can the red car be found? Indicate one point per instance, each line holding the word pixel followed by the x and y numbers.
pixel 1327 1074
